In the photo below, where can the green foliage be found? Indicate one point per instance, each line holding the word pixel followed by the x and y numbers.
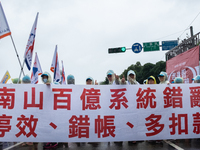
pixel 143 72
pixel 105 82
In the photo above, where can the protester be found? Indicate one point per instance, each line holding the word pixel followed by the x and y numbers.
pixel 178 80
pixel 15 81
pixel 26 80
pixel 196 79
pixel 46 78
pixel 89 81
pixel 131 77
pixel 112 78
pixel 163 78
pixel 70 79
pixel 151 80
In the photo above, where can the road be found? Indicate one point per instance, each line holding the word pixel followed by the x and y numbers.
pixel 186 144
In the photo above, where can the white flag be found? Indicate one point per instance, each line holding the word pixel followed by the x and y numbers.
pixel 55 67
pixel 37 70
pixel 4 28
pixel 30 45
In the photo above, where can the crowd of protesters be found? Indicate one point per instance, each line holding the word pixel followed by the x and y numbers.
pixel 113 79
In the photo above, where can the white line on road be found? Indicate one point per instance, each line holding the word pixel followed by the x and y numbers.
pixel 173 145
pixel 13 146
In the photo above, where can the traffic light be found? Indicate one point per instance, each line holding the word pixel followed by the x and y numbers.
pixel 117 50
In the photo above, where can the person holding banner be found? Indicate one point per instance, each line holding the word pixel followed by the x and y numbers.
pixel 70 79
pixel 112 78
pixel 151 80
pixel 46 78
pixel 90 81
pixel 163 78
pixel 196 79
pixel 26 80
pixel 15 81
pixel 178 80
pixel 131 77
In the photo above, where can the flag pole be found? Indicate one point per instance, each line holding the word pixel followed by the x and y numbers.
pixel 17 55
pixel 21 72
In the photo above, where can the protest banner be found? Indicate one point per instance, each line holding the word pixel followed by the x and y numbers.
pixel 98 113
pixel 185 65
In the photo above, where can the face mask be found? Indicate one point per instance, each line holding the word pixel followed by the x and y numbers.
pixel 45 80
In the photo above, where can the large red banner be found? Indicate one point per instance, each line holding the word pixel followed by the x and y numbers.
pixel 185 65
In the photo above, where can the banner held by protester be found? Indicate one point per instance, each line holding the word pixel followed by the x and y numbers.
pixel 99 113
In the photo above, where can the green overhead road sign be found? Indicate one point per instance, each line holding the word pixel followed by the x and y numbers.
pixel 151 46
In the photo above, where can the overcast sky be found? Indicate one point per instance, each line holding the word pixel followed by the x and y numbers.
pixel 85 29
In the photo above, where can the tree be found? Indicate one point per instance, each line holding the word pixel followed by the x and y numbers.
pixel 105 81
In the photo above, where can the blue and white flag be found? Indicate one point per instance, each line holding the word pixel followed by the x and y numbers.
pixel 37 70
pixel 55 67
pixel 30 45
